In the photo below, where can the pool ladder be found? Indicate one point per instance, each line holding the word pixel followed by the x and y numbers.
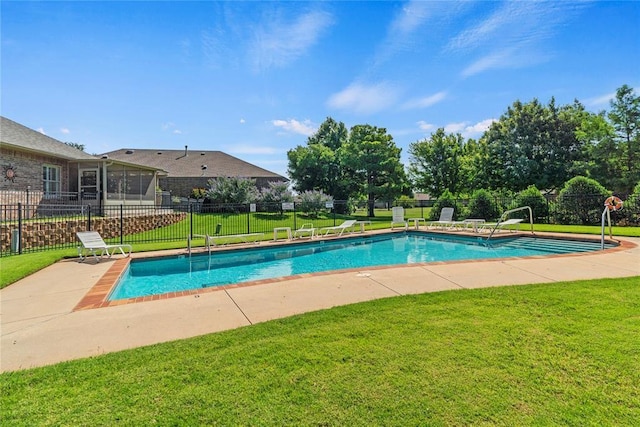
pixel 606 213
pixel 504 217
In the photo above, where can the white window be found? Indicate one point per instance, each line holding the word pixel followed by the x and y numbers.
pixel 51 179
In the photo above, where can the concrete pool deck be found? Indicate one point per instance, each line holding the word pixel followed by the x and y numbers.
pixel 42 323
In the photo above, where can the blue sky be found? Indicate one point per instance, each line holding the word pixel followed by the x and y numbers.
pixel 255 79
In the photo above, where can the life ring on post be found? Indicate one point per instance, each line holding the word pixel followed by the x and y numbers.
pixel 613 203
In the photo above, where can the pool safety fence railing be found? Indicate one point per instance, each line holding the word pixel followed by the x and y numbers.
pixel 27 227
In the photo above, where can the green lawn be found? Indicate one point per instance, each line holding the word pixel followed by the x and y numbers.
pixel 552 354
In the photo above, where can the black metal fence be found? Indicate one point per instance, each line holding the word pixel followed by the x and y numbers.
pixel 54 226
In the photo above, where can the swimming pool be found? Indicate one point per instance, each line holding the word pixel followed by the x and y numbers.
pixel 179 273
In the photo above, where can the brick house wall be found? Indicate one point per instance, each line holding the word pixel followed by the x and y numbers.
pixel 28 170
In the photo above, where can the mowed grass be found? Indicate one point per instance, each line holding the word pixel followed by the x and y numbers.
pixel 552 354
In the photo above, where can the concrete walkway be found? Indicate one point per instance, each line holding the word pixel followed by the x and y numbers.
pixel 40 327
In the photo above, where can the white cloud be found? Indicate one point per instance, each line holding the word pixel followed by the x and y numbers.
pixel 600 101
pixel 411 17
pixel 305 128
pixel 277 43
pixel 414 25
pixel 479 128
pixel 506 58
pixel 364 99
pixel 467 130
pixel 426 127
pixel 242 121
pixel 171 127
pixel 512 35
pixel 455 127
pixel 426 101
pixel 41 130
pixel 65 131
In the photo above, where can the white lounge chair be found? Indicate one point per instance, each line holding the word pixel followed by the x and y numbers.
pixel 445 221
pixel 397 217
pixel 341 228
pixel 488 226
pixel 92 243
pixel 306 229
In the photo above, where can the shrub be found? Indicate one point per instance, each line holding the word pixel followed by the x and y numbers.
pixel 272 197
pixel 581 201
pixel 535 200
pixel 198 193
pixel 483 205
pixel 406 202
pixel 630 212
pixel 446 200
pixel 313 202
pixel 232 190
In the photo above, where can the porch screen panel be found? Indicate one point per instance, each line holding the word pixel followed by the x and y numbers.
pixel 133 179
pixel 116 183
pixel 147 189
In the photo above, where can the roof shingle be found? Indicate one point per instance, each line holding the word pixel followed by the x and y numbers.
pixel 193 163
pixel 15 134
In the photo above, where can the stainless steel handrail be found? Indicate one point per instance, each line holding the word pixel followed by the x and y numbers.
pixel 605 212
pixel 506 213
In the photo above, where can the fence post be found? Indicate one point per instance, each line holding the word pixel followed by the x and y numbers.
pixel 295 214
pixel 19 228
pixel 190 220
pixel 88 217
pixel 27 208
pixel 121 224
pixel 248 218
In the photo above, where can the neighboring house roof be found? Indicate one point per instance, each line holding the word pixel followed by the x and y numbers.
pixel 193 163
pixel 19 136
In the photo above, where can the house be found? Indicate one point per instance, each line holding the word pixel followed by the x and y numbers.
pixel 36 169
pixel 188 169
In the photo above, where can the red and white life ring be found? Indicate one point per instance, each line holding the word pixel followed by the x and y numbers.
pixel 613 203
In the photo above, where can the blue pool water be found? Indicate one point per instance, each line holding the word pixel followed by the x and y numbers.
pixel 178 273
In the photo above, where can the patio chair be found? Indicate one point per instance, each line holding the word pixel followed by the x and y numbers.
pixel 92 243
pixel 306 229
pixel 341 228
pixel 445 221
pixel 397 217
pixel 488 226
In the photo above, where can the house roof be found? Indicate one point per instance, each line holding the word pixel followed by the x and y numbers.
pixel 19 136
pixel 193 163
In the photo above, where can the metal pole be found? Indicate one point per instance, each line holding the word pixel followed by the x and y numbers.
pixel 295 214
pixel 88 217
pixel 121 224
pixel 19 228
pixel 190 220
pixel 248 219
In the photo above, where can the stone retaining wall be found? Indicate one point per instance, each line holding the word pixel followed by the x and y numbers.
pixel 63 232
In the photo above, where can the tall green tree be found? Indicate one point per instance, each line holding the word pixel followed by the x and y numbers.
pixel 76 145
pixel 625 118
pixel 436 163
pixel 602 155
pixel 374 159
pixel 533 144
pixel 317 165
